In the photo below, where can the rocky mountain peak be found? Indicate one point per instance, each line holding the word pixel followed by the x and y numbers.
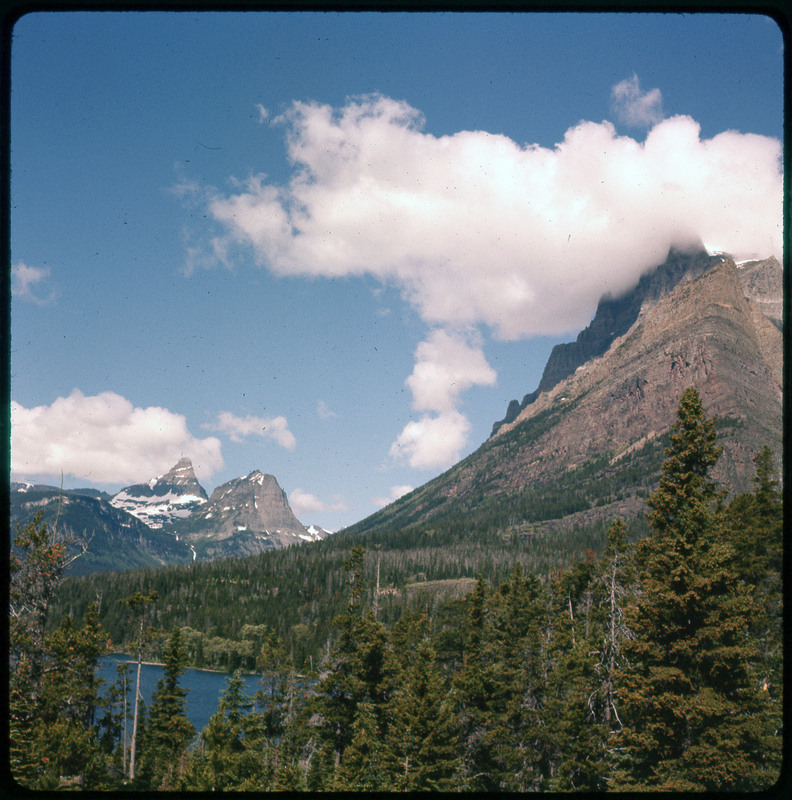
pixel 244 516
pixel 591 447
pixel 182 474
pixel 164 499
pixel 705 333
pixel 613 318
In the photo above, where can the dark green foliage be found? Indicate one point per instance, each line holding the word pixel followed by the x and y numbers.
pixel 690 696
pixel 473 686
pixel 518 675
pixel 754 525
pixel 296 593
pixel 422 745
pixel 232 755
pixel 584 660
pixel 361 768
pixel 53 691
pixel 168 731
pixel 356 670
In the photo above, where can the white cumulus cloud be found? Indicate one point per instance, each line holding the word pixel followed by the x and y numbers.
pixel 239 428
pixel 303 502
pixel 476 228
pixel 636 108
pixel 105 439
pixel 445 366
pixel 433 441
pixel 479 231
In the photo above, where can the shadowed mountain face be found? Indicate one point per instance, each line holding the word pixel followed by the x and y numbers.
pixel 590 447
pixel 116 539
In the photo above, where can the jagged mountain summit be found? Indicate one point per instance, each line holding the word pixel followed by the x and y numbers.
pixel 168 520
pixel 590 447
pixel 242 517
pixel 705 333
pixel 613 318
pixel 164 499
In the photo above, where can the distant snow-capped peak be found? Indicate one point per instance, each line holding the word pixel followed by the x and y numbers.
pixel 164 499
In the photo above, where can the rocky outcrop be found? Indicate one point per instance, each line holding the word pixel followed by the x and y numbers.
pixel 706 334
pixel 598 433
pixel 762 283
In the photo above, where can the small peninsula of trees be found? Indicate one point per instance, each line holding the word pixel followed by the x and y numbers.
pixel 653 665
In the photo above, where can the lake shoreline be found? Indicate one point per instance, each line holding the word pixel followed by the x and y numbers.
pixel 131 660
pixel 204 688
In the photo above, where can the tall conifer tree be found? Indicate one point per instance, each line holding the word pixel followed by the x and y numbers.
pixel 689 697
pixel 422 742
pixel 169 731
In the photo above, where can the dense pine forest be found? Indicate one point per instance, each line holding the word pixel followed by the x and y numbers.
pixel 445 658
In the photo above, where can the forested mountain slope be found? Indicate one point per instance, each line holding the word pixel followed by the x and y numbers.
pixel 116 540
pixel 589 448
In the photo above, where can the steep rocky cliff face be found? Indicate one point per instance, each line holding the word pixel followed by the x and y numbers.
pixel 613 318
pixel 243 517
pixel 762 283
pixel 591 446
pixel 705 333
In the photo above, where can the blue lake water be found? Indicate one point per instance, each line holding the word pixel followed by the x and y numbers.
pixel 204 688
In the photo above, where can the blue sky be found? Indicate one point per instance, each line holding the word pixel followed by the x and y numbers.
pixel 333 247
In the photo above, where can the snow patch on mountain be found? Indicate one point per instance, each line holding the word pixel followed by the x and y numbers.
pixel 165 499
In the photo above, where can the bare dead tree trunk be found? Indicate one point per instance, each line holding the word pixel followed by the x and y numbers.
pixel 138 602
pixel 613 635
pixel 571 619
pixel 377 590
pixel 135 722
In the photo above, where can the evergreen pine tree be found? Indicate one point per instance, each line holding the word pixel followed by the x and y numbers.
pixel 474 692
pixel 277 676
pixel 688 697
pixel 422 744
pixel 519 679
pixel 575 737
pixel 53 689
pixel 754 526
pixel 232 752
pixel 357 670
pixel 169 731
pixel 361 768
